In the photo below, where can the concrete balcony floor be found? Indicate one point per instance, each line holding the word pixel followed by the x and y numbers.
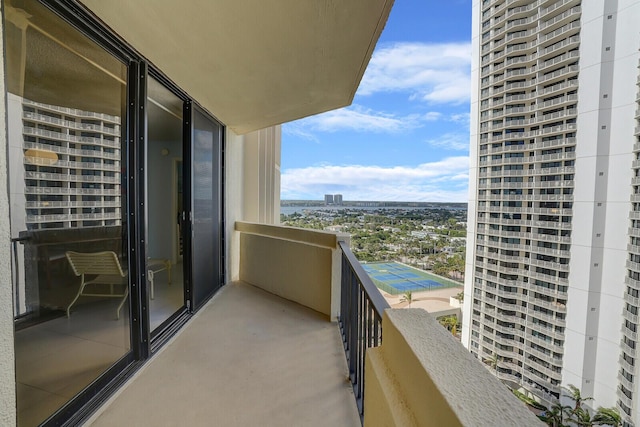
pixel 247 358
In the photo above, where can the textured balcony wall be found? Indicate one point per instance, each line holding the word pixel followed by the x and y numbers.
pixel 421 376
pixel 261 195
pixel 234 185
pixel 252 181
pixel 293 263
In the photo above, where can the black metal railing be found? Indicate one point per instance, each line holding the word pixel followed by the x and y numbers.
pixel 360 320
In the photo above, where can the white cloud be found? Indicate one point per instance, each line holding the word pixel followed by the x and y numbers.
pixel 432 116
pixel 451 141
pixel 354 118
pixel 443 180
pixel 461 118
pixel 298 129
pixel 437 73
pixel 360 119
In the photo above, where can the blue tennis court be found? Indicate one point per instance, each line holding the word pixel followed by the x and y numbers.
pixel 395 278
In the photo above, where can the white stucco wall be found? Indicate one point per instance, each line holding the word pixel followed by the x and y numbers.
pixel 608 62
pixel 262 176
pixel 234 182
pixel 625 56
pixel 252 193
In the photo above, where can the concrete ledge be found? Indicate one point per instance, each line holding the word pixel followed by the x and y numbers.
pixel 295 264
pixel 421 376
pixel 309 237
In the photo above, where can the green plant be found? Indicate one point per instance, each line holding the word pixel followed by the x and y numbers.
pixel 450 322
pixel 556 415
pixel 575 395
pixel 528 400
pixel 407 297
pixel 607 417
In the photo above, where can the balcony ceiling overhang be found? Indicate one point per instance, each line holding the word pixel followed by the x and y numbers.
pixel 254 64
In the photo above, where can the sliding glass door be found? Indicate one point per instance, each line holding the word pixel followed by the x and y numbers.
pixel 206 207
pixel 164 190
pixel 116 209
pixel 66 111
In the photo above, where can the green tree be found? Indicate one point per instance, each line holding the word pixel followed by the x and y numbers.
pixel 407 297
pixel 580 417
pixel 451 323
pixel 440 268
pixel 575 395
pixel 607 417
pixel 492 361
pixel 556 415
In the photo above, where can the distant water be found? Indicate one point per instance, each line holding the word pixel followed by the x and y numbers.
pixel 288 210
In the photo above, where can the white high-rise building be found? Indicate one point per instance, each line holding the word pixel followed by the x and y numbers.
pixel 553 255
pixel 71 174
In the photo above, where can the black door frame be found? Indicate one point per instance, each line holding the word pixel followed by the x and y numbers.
pixel 167 329
pixel 199 292
pixel 143 344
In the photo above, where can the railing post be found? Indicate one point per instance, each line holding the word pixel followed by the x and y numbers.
pixel 360 319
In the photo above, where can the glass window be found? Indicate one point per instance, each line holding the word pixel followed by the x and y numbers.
pixel 65 112
pixel 164 203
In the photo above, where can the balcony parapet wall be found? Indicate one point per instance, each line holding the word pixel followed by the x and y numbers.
pixel 421 376
pixel 294 263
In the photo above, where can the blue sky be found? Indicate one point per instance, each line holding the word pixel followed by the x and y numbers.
pixel 406 135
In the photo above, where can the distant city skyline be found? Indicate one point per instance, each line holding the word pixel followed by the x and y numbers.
pixel 406 135
pixel 368 203
pixel 323 199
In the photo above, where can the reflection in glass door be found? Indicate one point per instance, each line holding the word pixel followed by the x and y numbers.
pixel 66 102
pixel 164 203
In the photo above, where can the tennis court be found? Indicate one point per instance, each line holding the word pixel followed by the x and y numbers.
pixel 395 278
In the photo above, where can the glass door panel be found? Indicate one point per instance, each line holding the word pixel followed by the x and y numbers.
pixel 206 192
pixel 66 100
pixel 164 203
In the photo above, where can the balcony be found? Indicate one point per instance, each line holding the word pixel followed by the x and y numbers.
pixel 73 111
pixel 113 130
pixel 562 19
pixel 566 72
pixel 266 350
pixel 521 11
pixel 560 33
pixel 562 101
pixel 566 85
pixel 248 358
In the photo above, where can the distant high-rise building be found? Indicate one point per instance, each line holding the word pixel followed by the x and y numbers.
pixel 70 174
pixel 552 294
pixel 328 199
pixel 337 199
